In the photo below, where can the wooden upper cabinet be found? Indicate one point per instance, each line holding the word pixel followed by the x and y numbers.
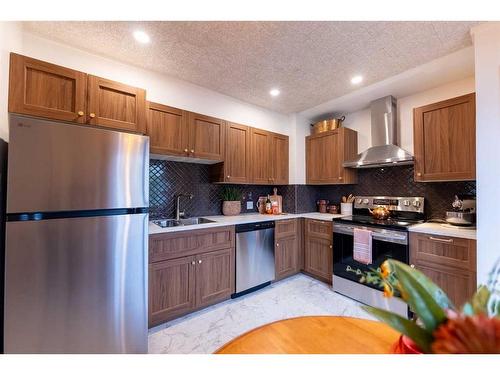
pixel 206 137
pixel 237 154
pixel 116 105
pixel 445 140
pixel 325 154
pixel 38 88
pixel 167 130
pixel 261 168
pixel 279 159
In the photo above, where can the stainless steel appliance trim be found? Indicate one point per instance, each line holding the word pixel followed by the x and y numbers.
pixel 368 296
pixel 77 285
pixel 56 166
pixel 377 233
pixel 254 258
pixel 413 204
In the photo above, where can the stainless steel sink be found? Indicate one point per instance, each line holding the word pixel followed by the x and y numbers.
pixel 167 223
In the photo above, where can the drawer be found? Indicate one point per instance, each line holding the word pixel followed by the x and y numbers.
pixel 166 246
pixel 285 228
pixel 319 228
pixel 451 252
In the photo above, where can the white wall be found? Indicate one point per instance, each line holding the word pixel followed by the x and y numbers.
pixel 10 41
pixel 360 120
pixel 160 88
pixel 487 60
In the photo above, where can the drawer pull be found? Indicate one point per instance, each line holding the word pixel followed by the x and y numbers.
pixel 193 262
pixel 446 240
pixel 199 262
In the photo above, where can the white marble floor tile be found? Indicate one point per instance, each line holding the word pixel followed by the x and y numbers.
pixel 206 330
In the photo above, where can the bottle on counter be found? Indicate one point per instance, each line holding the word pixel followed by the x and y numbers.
pixel 269 205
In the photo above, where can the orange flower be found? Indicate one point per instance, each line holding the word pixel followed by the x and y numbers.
pixel 388 292
pixel 385 270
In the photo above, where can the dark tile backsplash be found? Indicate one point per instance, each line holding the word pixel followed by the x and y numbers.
pixel 167 179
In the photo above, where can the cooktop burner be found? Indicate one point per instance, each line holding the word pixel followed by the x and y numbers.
pixel 405 211
pixel 397 223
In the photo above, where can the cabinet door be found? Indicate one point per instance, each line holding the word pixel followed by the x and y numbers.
pixel 444 140
pixel 286 257
pixel 167 130
pixel 171 289
pixel 448 261
pixel 323 159
pixel 115 105
pixel 286 248
pixel 206 137
pixel 318 251
pixel 260 156
pixel 279 159
pixel 214 277
pixel 38 88
pixel 237 159
pixel 458 285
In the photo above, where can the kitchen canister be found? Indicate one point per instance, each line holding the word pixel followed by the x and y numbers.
pixel 346 208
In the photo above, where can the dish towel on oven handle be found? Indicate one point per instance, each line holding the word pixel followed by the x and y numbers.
pixel 362 246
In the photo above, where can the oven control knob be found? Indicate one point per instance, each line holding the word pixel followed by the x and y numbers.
pixel 416 203
pixel 406 202
pixel 366 201
pixel 360 200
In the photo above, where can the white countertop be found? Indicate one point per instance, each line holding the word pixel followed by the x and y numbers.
pixel 222 220
pixel 444 230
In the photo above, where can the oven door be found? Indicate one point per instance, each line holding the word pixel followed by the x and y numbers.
pixel 386 244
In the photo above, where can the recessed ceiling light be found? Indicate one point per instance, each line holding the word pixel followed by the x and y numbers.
pixel 141 36
pixel 274 92
pixel 356 79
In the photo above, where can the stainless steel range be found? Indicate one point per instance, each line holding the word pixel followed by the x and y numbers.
pixel 389 239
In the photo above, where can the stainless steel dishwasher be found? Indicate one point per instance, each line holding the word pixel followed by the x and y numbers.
pixel 254 256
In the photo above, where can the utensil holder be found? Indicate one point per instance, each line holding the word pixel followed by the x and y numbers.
pixel 346 208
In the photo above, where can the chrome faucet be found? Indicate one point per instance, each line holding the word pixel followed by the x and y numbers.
pixel 178 212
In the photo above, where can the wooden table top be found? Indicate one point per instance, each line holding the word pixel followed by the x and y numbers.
pixel 315 335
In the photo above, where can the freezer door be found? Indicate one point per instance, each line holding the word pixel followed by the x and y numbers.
pixel 77 285
pixel 63 167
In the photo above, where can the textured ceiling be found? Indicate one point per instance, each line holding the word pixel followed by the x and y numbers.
pixel 310 62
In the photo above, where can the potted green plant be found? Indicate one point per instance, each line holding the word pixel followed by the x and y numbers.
pixel 231 201
pixel 439 327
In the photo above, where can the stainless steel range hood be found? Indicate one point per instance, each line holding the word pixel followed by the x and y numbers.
pixel 384 151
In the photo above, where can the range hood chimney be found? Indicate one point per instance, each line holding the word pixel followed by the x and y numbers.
pixel 384 151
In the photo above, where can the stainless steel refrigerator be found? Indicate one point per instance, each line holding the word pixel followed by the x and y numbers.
pixel 76 239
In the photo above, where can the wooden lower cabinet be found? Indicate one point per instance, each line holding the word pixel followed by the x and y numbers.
pixel 450 262
pixel 287 248
pixel 171 289
pixel 182 284
pixel 214 277
pixel 318 249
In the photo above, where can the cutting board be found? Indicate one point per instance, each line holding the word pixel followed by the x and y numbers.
pixel 277 198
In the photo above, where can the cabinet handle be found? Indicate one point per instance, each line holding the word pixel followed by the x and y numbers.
pixel 340 178
pixel 80 113
pixel 447 240
pixel 199 261
pixel 92 115
pixel 193 262
pixel 412 265
pixel 277 244
pixel 228 176
pixel 186 150
pixel 331 246
pixel 419 174
pixel 192 151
